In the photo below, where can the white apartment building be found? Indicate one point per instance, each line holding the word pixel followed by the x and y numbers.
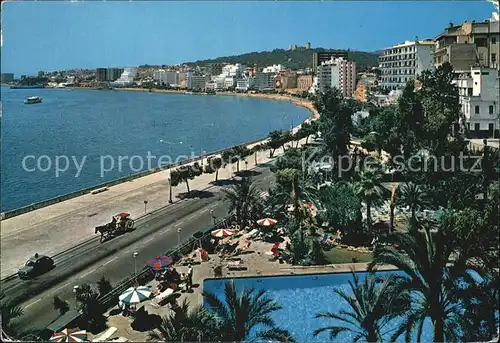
pixel 479 96
pixel 263 81
pixel 275 68
pixel 167 77
pixel 126 79
pixel 337 73
pixel 403 62
pixel 245 84
pixel 233 70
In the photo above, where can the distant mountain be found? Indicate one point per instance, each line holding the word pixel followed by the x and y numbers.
pixel 294 59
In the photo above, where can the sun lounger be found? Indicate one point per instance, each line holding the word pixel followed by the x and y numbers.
pixel 106 335
pixel 236 265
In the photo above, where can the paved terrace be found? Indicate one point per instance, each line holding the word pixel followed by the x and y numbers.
pixel 55 228
pixel 258 262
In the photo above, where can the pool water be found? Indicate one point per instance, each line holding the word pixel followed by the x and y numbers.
pixel 302 297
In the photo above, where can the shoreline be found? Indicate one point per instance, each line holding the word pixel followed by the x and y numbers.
pixel 68 196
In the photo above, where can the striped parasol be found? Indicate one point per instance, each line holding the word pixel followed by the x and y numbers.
pixel 160 262
pixel 267 222
pixel 69 335
pixel 223 233
pixel 135 295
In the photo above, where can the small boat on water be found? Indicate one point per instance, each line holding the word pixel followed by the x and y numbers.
pixel 33 100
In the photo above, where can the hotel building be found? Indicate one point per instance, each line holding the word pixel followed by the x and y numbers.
pixel 337 73
pixel 403 62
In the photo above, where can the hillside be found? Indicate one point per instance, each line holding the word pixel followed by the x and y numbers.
pixel 297 59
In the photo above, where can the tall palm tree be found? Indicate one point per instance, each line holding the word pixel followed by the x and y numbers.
pixel 424 259
pixel 413 196
pixel 239 313
pixel 372 307
pixel 370 190
pixel 392 206
pixel 9 314
pixel 185 325
pixel 244 200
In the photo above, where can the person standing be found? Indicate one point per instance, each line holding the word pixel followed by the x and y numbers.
pixel 190 277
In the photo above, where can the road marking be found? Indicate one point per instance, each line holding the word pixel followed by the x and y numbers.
pixel 84 275
pixel 149 240
pixel 34 302
pixel 105 264
pixel 55 290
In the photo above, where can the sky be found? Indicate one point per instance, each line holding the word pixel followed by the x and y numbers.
pixel 61 35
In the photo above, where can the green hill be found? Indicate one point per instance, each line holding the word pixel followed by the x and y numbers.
pixel 296 59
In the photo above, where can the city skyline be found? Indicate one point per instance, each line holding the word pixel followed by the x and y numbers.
pixel 65 35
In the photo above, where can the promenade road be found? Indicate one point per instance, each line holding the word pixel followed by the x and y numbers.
pixel 52 229
pixel 156 233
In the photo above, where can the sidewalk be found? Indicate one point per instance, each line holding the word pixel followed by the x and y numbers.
pixel 52 229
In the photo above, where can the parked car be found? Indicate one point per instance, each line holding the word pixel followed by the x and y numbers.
pixel 36 265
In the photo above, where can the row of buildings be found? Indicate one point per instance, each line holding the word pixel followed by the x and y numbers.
pixel 473 49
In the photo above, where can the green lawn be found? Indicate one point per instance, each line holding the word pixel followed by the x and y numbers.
pixel 342 255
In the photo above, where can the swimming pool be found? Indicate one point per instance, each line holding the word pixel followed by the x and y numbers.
pixel 302 297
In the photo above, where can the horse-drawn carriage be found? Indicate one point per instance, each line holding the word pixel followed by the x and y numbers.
pixel 119 224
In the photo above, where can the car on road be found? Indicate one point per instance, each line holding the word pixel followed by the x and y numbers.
pixel 36 265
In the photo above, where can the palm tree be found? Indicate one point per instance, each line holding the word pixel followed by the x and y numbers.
pixel 392 206
pixel 413 196
pixel 238 314
pixel 372 307
pixel 244 201
pixel 369 189
pixel 184 325
pixel 9 314
pixel 424 258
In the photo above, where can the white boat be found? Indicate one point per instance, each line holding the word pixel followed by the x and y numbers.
pixel 33 100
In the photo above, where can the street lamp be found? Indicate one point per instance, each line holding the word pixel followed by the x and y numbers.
pixel 179 236
pixel 135 263
pixel 145 208
pixel 213 217
pixel 246 165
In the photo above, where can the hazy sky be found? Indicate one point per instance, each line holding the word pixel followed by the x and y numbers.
pixel 62 35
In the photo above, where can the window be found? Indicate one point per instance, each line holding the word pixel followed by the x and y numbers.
pixel 476 127
pixel 490 109
pixel 476 109
pixel 493 40
pixel 468 126
pixel 490 127
pixel 493 58
pixel 469 91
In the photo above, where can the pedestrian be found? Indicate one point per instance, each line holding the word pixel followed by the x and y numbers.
pixel 190 277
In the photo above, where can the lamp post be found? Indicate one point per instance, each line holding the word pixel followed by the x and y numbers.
pixel 145 206
pixel 75 291
pixel 213 217
pixel 246 165
pixel 179 236
pixel 135 263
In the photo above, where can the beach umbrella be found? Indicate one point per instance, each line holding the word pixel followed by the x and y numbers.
pixel 135 295
pixel 123 214
pixel 223 233
pixel 160 262
pixel 69 335
pixel 267 222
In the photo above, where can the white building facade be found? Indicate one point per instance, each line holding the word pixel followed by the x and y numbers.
pixel 337 73
pixel 126 79
pixel 479 97
pixel 404 62
pixel 275 68
pixel 167 77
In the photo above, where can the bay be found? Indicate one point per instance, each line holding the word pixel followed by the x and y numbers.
pixel 94 124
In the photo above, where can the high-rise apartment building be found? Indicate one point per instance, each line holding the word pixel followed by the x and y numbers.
pixel 337 73
pixel 319 57
pixel 113 74
pixel 166 77
pixel 403 62
pixel 101 74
